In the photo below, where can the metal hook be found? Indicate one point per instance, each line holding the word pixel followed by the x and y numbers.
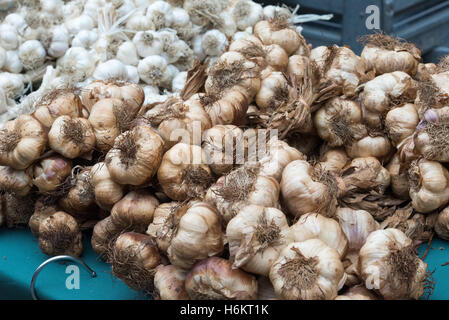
pixel 57 258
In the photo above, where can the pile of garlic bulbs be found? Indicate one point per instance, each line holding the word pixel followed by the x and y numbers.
pixel 280 171
pixel 152 42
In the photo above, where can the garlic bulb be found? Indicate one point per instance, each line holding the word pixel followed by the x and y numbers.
pixel 197 237
pixel 160 14
pixel 169 283
pixel 80 198
pixel 127 53
pixel 78 63
pixel 377 145
pixel 104 234
pixel 9 38
pixel 107 192
pixel 148 43
pixel 215 279
pixel 111 70
pixel 401 123
pixel 222 145
pixel 316 226
pixel 134 259
pixel 71 137
pixel 11 84
pixel 41 212
pixel 165 223
pixel 399 178
pixel 56 103
pixel 59 235
pixel 22 141
pixel 256 235
pixel 152 70
pixel 357 225
pixel 428 181
pixel 308 270
pixel 389 264
pixel 174 118
pixel 339 65
pixel 17 210
pixel 16 182
pixel 280 32
pixel 85 39
pixel 179 81
pixel 32 54
pixel 379 94
pixel 50 173
pixel 333 160
pixel 442 224
pixel 135 156
pixel 385 54
pixel 306 190
pixel 184 172
pixel 241 187
pixel 214 43
pixel 339 122
pixel 135 210
pixel 274 91
pixel 13 63
pixel 77 24
pixel 59 42
pixel 246 13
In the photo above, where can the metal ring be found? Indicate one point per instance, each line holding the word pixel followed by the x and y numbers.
pixel 57 258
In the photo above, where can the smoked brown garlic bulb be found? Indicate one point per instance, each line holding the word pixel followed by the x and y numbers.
pixel 71 137
pixel 442 224
pixel 256 235
pixel 22 141
pixel 389 265
pixel 339 65
pixel 241 187
pixel 15 181
pixel 197 237
pixel 184 173
pixel 134 260
pixel 308 270
pixel 384 54
pixel 165 223
pixel 429 185
pixel 215 279
pixel 59 234
pixel 169 283
pixel 135 156
pixel 306 190
pixel 135 210
pixel 104 234
pixel 41 212
pixel 107 192
pixel 339 122
pixel 50 173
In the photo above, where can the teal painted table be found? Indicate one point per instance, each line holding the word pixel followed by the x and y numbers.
pixel 20 256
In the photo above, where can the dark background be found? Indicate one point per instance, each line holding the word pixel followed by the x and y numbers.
pixel 424 22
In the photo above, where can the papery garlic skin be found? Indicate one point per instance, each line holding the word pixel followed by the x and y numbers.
pixel 302 193
pixel 429 185
pixel 308 270
pixel 399 178
pixel 378 146
pixel 357 225
pixel 59 235
pixel 22 141
pixel 71 137
pixel 389 265
pixel 215 279
pixel 184 172
pixel 256 235
pixel 333 160
pixel 169 283
pixel 15 181
pixel 198 236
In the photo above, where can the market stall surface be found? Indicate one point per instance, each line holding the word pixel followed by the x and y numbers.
pixel 20 256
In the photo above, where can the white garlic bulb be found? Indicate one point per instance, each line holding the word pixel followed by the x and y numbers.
pixel 78 62
pixel 214 43
pixel 148 43
pixel 152 70
pixel 11 84
pixel 82 22
pixel 12 62
pixel 179 81
pixel 60 42
pixel 127 53
pixel 85 39
pixel 160 14
pixel 246 13
pixel 111 70
pixel 9 39
pixel 133 74
pixel 32 54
